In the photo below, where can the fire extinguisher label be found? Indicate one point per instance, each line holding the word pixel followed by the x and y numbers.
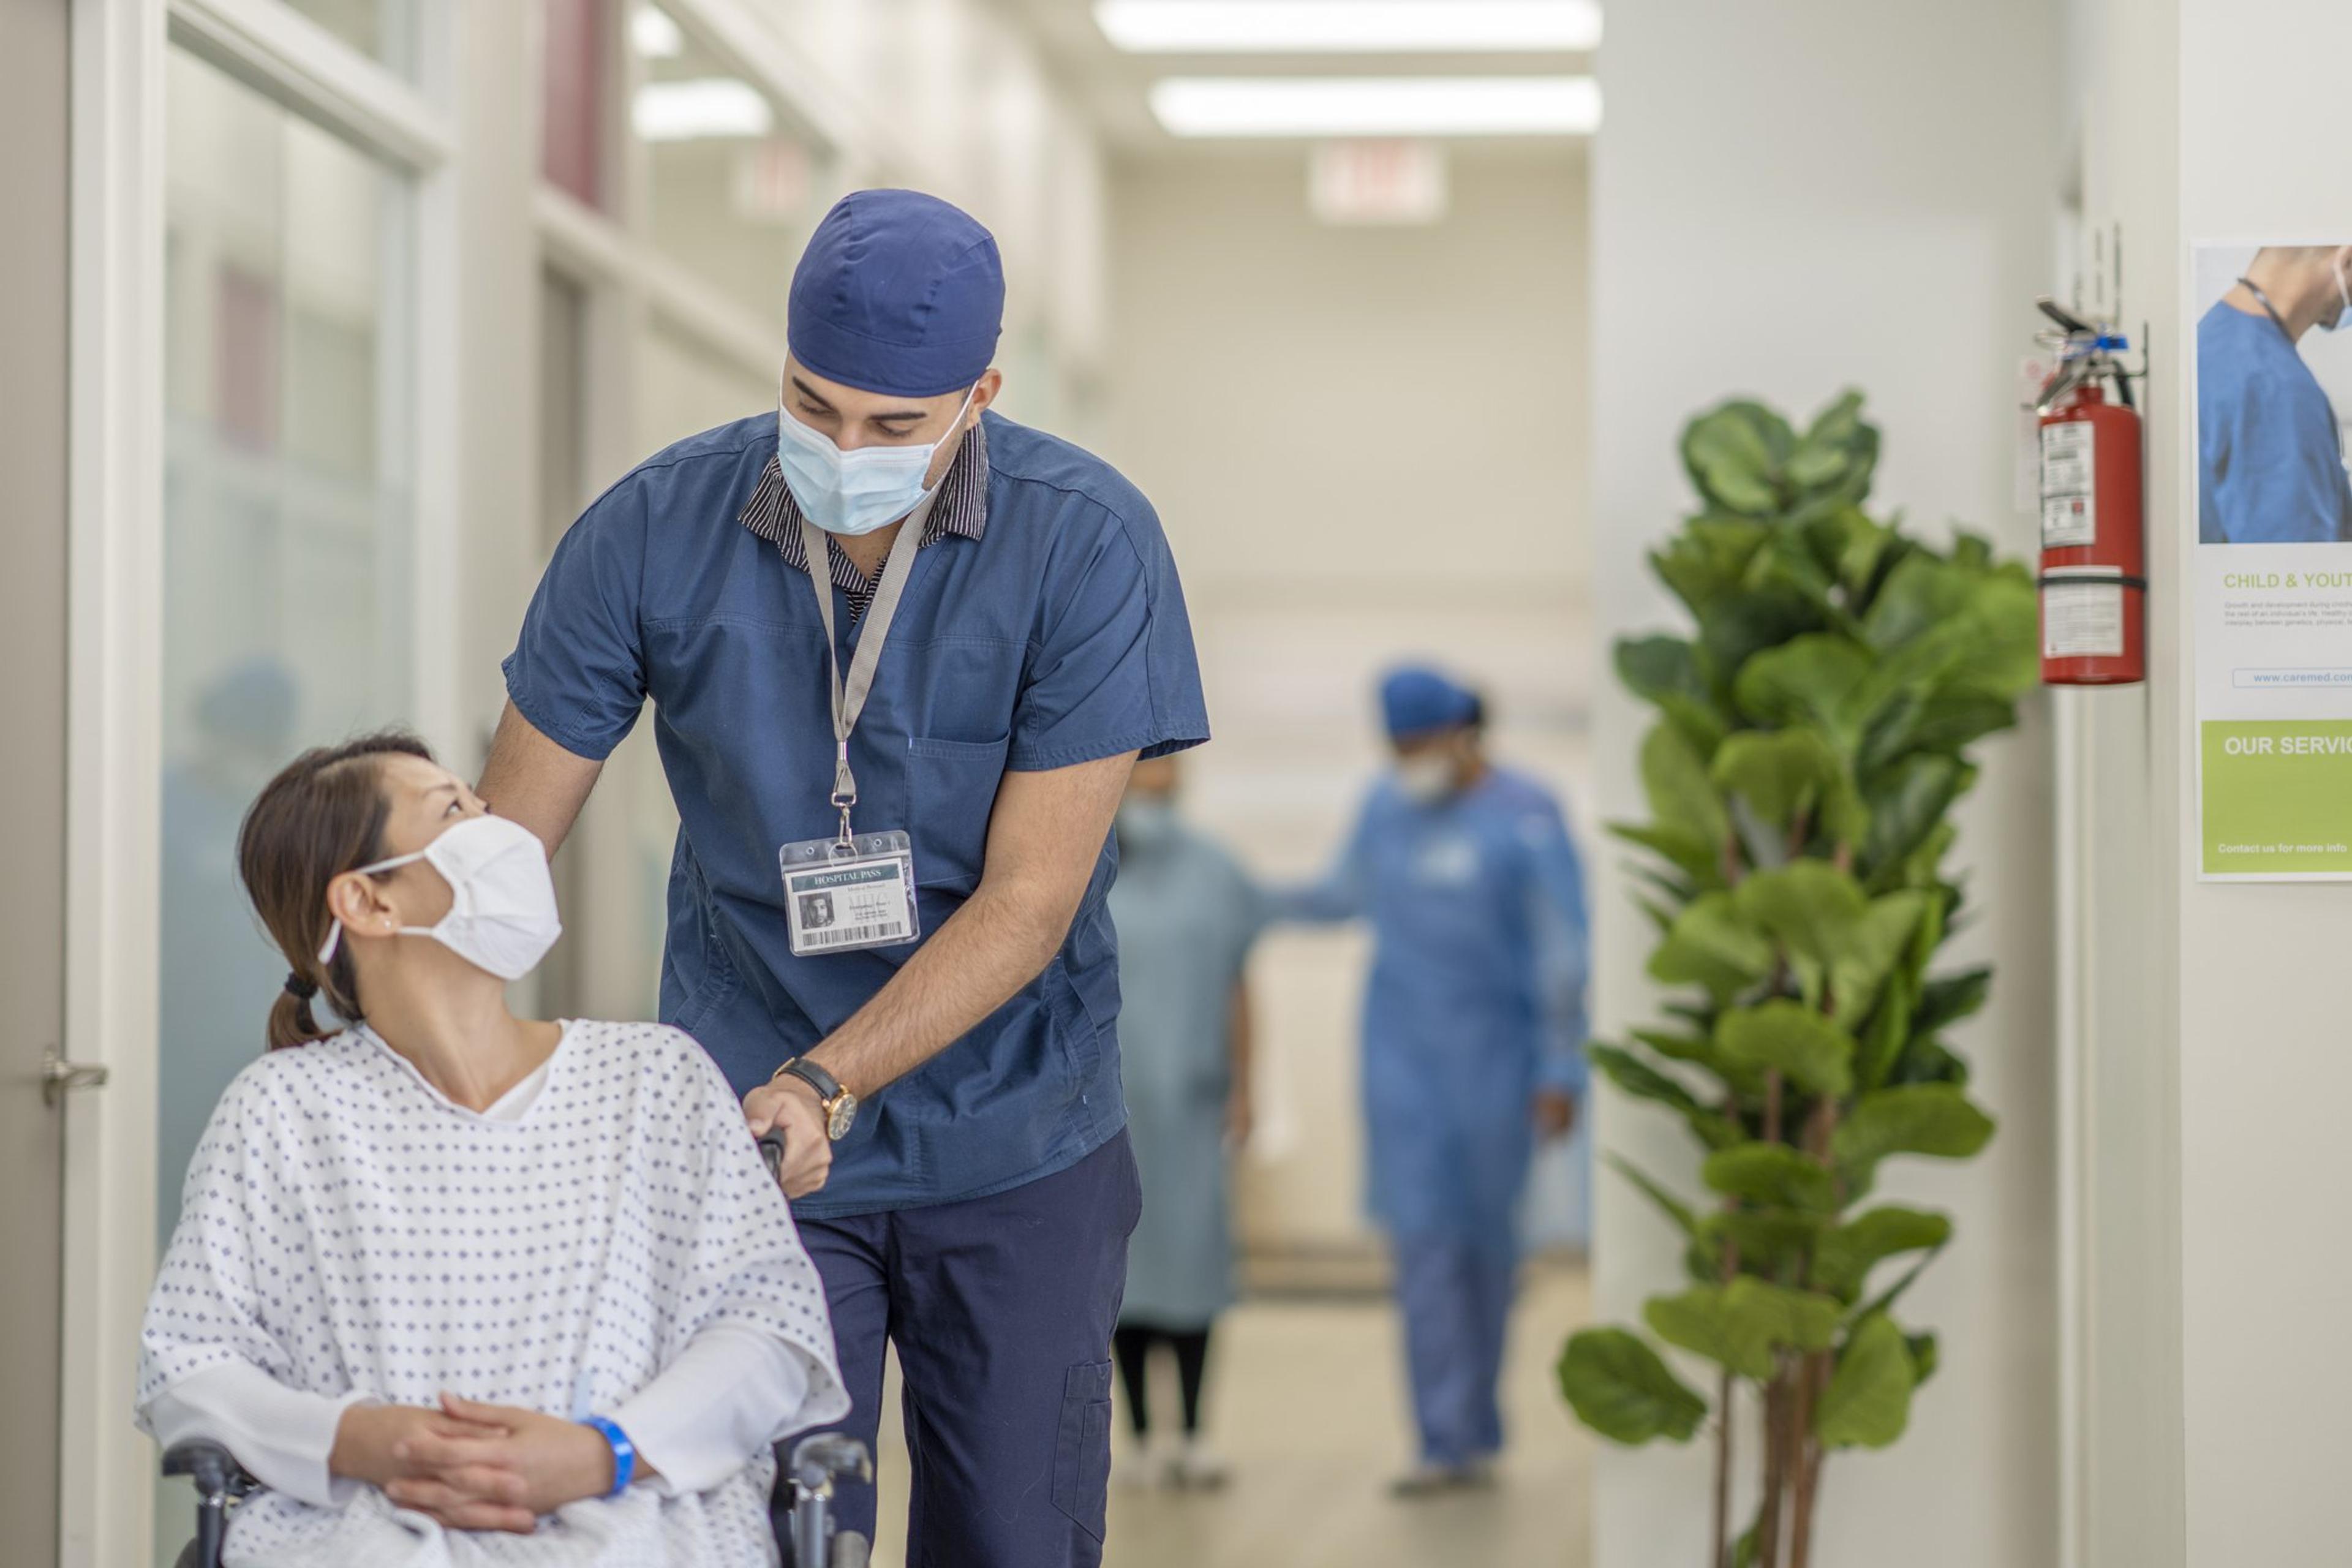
pixel 2081 620
pixel 2069 504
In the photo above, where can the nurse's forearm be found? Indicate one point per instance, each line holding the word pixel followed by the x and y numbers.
pixel 1045 838
pixel 532 780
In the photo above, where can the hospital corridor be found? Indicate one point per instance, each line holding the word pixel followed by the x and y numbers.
pixel 1278 783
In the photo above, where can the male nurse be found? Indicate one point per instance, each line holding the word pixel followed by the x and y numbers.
pixel 902 654
pixel 1473 1034
pixel 2270 452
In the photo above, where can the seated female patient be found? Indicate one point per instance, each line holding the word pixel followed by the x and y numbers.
pixel 449 1272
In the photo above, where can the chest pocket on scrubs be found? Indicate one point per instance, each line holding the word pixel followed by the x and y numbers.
pixel 951 786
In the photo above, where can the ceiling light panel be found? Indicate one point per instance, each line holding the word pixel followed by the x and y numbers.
pixel 1378 105
pixel 1349 27
pixel 703 109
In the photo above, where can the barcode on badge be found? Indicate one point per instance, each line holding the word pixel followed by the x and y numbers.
pixel 847 936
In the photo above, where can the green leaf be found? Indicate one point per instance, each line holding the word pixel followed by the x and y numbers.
pixel 1813 679
pixel 1770 1173
pixel 1925 1357
pixel 1637 1077
pixel 1809 907
pixel 1844 1255
pixel 1909 804
pixel 1943 1003
pixel 1698 857
pixel 1674 777
pixel 1711 946
pixel 1931 1119
pixel 1623 1389
pixel 1875 947
pixel 1734 452
pixel 1686 1218
pixel 1767 1239
pixel 1781 774
pixel 1809 1050
pixel 1868 1401
pixel 1742 1324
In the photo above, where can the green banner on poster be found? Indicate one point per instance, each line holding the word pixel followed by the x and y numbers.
pixel 2278 796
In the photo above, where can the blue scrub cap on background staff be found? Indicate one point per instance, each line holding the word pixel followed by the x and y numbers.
pixel 1416 699
pixel 898 293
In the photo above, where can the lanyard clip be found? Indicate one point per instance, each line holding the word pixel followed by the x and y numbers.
pixel 844 790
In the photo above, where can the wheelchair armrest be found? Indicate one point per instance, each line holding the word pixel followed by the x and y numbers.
pixel 212 1469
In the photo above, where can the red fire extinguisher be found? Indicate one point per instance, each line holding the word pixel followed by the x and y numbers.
pixel 2094 559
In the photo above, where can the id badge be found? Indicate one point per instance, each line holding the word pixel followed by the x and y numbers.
pixel 843 896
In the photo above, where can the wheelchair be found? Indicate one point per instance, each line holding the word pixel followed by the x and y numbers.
pixel 817 1464
pixel 814 1541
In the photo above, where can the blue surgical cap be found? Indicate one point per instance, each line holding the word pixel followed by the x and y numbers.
pixel 1416 699
pixel 898 293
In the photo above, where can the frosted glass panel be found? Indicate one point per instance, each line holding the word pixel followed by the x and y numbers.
pixel 287 522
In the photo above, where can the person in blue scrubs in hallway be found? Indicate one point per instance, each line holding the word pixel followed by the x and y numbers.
pixel 1473 1041
pixel 1187 915
pixel 2270 452
pixel 892 636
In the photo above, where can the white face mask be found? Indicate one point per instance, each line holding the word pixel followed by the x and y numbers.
pixel 501 914
pixel 1425 780
pixel 2343 292
pixel 854 492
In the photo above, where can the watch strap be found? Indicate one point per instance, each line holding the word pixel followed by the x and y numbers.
pixel 827 1086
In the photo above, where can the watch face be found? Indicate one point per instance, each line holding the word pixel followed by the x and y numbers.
pixel 843 1112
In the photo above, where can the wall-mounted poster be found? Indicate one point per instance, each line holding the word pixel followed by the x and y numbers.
pixel 2272 373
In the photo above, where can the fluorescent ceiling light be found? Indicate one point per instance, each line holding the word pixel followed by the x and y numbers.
pixel 717 106
pixel 1349 26
pixel 1379 106
pixel 654 35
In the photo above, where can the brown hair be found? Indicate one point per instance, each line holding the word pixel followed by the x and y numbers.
pixel 321 817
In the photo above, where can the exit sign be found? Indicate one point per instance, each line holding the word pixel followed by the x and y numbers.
pixel 1377 182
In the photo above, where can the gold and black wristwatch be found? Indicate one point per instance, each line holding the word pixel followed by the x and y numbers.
pixel 840 1105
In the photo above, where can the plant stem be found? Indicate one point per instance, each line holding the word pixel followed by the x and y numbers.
pixel 1778 1398
pixel 1772 1105
pixel 1808 1461
pixel 1722 1557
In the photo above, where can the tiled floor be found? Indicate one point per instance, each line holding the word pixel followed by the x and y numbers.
pixel 1308 1405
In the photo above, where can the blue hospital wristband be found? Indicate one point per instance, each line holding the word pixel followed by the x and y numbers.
pixel 624 1453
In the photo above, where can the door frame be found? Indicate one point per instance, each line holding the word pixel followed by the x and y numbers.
pixel 115 633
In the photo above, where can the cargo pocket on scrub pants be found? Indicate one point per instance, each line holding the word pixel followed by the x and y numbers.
pixel 1082 1453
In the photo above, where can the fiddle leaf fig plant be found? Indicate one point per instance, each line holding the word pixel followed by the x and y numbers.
pixel 1813 733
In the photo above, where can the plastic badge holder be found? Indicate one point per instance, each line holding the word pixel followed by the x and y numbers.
pixel 847 895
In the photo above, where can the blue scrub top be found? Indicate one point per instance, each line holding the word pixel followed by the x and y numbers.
pixel 1058 637
pixel 2269 454
pixel 1476 995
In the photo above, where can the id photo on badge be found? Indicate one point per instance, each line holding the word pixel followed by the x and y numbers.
pixel 846 895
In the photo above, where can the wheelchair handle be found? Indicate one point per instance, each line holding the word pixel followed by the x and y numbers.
pixel 772 1151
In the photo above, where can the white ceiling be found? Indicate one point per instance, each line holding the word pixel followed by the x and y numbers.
pixel 1111 86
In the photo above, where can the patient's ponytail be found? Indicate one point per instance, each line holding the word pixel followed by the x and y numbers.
pixel 322 816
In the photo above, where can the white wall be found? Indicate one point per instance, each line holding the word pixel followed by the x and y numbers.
pixel 2214 120
pixel 1787 200
pixel 1365 444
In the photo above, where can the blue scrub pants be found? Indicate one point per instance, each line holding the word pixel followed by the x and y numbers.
pixel 1455 1296
pixel 1001 1310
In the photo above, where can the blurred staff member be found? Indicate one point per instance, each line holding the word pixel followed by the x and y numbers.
pixel 1474 1033
pixel 880 599
pixel 1186 916
pixel 2270 452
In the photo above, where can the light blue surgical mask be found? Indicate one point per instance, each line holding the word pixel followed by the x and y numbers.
pixel 854 492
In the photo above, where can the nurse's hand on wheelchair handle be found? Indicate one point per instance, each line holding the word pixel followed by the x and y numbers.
pixel 790 1106
pixel 400 1448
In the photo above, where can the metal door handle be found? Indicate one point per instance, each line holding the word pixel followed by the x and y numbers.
pixel 60 1075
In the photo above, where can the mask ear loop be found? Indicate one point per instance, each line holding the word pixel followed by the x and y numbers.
pixel 335 930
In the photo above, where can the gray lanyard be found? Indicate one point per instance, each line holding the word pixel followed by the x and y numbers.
pixel 849 694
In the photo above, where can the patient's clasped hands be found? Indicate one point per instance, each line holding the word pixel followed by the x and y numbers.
pixel 471 1466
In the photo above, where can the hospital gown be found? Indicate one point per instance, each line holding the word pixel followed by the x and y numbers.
pixel 353 1235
